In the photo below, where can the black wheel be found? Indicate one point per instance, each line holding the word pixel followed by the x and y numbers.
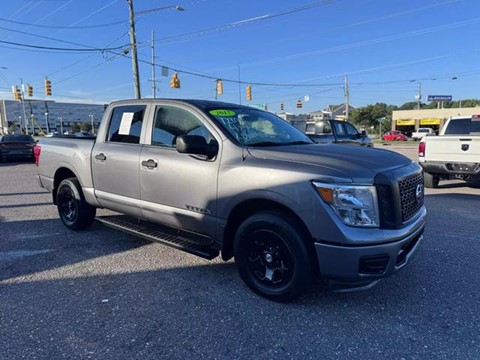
pixel 473 182
pixel 431 180
pixel 74 212
pixel 272 256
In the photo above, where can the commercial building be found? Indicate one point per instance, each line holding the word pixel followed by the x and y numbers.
pixel 410 120
pixel 43 116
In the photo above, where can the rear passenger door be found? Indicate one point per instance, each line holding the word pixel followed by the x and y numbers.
pixel 179 190
pixel 115 160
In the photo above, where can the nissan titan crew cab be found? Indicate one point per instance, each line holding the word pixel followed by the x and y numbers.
pixel 214 178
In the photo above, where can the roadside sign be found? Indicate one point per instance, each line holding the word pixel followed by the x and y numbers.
pixel 439 97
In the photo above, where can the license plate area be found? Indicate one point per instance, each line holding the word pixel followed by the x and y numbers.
pixel 470 168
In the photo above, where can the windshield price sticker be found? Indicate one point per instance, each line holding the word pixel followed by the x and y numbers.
pixel 222 113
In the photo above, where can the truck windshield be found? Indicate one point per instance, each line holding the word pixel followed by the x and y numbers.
pixel 251 127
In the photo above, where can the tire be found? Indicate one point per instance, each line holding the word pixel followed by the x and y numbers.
pixel 474 182
pixel 272 256
pixel 431 180
pixel 74 212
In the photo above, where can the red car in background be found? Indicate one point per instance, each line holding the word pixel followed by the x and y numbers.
pixel 394 136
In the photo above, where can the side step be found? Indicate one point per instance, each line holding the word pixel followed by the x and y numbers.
pixel 178 239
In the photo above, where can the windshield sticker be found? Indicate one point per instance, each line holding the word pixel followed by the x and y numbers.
pixel 222 113
pixel 126 123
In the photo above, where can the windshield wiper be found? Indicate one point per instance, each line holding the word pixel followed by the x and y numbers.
pixel 265 143
pixel 271 143
pixel 300 142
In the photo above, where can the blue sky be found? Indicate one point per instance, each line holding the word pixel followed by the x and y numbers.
pixel 387 48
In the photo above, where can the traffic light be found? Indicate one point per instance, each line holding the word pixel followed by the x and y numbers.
pixel 219 87
pixel 266 107
pixel 299 104
pixel 48 87
pixel 249 93
pixel 30 90
pixel 175 81
pixel 17 94
pixel 282 107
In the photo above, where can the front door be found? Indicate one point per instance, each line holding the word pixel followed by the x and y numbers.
pixel 179 190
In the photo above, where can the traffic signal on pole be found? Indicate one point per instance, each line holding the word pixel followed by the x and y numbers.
pixel 175 81
pixel 48 87
pixel 249 93
pixel 282 107
pixel 266 107
pixel 219 87
pixel 299 104
pixel 17 93
pixel 30 90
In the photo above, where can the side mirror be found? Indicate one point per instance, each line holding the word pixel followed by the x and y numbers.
pixel 363 133
pixel 197 145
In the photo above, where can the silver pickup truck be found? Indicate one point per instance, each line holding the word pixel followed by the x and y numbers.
pixel 215 178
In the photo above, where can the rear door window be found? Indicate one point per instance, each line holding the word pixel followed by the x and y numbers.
pixel 126 124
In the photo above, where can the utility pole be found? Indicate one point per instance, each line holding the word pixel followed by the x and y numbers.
pixel 133 47
pixel 154 83
pixel 418 97
pixel 93 127
pixel 23 106
pixel 347 98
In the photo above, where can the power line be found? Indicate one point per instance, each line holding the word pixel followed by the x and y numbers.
pixel 63 49
pixel 246 21
pixel 67 27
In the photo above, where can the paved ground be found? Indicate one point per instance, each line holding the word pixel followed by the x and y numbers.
pixel 102 294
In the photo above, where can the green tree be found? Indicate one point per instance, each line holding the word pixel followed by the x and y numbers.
pixel 75 128
pixel 86 127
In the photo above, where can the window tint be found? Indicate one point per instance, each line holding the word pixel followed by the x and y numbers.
pixel 126 124
pixel 351 130
pixel 458 127
pixel 475 126
pixel 324 127
pixel 339 129
pixel 171 122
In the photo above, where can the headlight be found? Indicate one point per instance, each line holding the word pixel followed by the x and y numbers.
pixel 354 205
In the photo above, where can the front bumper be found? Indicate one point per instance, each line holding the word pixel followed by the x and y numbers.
pixel 360 266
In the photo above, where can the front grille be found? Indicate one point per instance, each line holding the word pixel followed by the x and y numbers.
pixel 411 195
pixel 400 195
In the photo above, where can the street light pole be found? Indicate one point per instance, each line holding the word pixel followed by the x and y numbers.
pixel 93 128
pixel 133 47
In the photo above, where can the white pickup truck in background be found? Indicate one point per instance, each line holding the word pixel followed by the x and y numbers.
pixel 421 132
pixel 454 154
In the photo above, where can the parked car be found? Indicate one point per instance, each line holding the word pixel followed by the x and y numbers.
pixel 454 154
pixel 213 178
pixel 394 135
pixel 421 132
pixel 14 147
pixel 335 131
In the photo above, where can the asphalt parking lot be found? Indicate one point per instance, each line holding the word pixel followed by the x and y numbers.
pixel 102 294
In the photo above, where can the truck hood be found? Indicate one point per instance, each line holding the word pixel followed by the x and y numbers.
pixel 360 164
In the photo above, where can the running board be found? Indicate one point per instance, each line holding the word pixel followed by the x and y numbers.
pixel 178 239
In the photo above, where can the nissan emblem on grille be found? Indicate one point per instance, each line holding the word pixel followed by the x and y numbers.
pixel 418 192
